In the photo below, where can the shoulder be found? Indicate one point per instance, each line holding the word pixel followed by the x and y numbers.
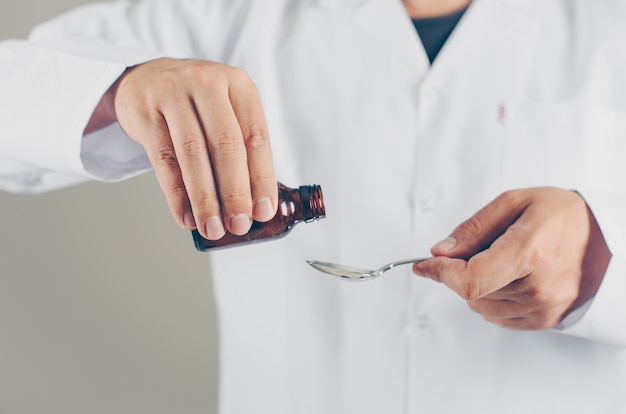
pixel 583 26
pixel 599 17
pixel 578 50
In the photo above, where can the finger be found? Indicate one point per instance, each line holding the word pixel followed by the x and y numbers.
pixel 228 157
pixel 509 313
pixel 162 156
pixel 193 158
pixel 499 309
pixel 538 320
pixel 519 324
pixel 480 230
pixel 506 260
pixel 458 275
pixel 249 112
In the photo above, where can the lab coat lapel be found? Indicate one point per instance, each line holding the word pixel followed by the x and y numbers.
pixel 388 21
pixel 485 22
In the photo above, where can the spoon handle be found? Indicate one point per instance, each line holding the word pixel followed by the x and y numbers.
pixel 401 262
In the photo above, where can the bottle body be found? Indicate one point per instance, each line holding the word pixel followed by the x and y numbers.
pixel 295 205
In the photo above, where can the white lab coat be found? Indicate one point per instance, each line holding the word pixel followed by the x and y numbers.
pixel 525 93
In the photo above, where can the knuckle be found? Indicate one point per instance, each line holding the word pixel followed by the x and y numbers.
pixel 192 147
pixel 528 244
pixel 166 157
pixel 169 81
pixel 191 70
pixel 205 205
pixel 239 76
pixel 470 290
pixel 236 198
pixel 205 78
pixel 224 143
pixel 534 294
pixel 545 298
pixel 520 233
pixel 264 179
pixel 202 75
pixel 473 226
pixel 536 257
pixel 206 198
pixel 510 197
pixel 175 192
pixel 256 138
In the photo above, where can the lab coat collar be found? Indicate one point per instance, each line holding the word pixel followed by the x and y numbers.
pixel 485 22
pixel 525 6
pixel 342 3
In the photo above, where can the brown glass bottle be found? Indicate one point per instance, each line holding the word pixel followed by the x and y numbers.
pixel 295 205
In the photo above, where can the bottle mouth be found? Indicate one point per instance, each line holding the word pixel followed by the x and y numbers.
pixel 313 202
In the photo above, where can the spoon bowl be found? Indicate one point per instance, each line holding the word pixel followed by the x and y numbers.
pixel 356 273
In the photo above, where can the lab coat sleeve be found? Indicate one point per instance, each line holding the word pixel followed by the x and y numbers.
pixel 605 316
pixel 52 82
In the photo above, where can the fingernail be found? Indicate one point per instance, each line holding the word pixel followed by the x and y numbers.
pixel 240 224
pixel 214 228
pixel 418 271
pixel 188 221
pixel 263 209
pixel 446 244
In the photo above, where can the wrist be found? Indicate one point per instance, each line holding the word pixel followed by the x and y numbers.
pixel 104 113
pixel 594 265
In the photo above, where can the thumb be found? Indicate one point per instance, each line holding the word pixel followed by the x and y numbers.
pixel 479 231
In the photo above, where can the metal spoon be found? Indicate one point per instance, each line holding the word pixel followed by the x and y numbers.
pixel 355 273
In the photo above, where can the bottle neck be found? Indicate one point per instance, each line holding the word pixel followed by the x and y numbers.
pixel 312 202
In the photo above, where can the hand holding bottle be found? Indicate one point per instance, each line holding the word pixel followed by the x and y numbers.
pixel 203 128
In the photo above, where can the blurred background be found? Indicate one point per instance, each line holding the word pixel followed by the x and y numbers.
pixel 105 306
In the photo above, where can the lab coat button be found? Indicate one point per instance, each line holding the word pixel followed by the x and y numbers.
pixel 422 322
pixel 426 204
pixel 431 95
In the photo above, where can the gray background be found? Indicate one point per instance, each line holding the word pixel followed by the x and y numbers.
pixel 105 306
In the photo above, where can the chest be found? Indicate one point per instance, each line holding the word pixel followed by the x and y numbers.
pixel 352 101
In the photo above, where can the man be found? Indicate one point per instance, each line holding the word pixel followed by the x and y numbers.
pixel 510 137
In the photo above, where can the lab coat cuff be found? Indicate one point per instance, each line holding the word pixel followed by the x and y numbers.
pixel 603 318
pixel 47 100
pixel 107 154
